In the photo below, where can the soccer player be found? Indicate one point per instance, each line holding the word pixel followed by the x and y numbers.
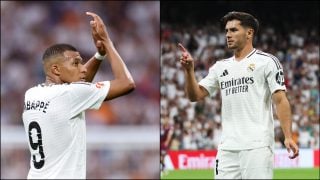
pixel 54 117
pixel 249 82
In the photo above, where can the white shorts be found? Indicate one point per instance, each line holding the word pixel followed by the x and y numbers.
pixel 244 164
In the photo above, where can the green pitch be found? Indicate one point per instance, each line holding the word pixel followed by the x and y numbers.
pixel 294 173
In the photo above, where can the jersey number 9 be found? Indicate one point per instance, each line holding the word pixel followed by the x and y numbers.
pixel 36 143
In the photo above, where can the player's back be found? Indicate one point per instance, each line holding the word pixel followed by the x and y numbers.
pixel 56 135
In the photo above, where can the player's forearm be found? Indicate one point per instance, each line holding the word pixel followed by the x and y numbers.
pixel 119 68
pixel 284 116
pixel 92 67
pixel 191 86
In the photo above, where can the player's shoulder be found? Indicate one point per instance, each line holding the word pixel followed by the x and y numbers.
pixel 65 87
pixel 267 58
pixel 41 90
pixel 80 83
pixel 76 87
pixel 265 55
pixel 37 88
pixel 220 63
pixel 50 88
pixel 89 84
pixel 223 61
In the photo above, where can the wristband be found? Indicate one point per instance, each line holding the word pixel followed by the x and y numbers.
pixel 99 57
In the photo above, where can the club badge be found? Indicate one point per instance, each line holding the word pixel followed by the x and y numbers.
pixel 251 67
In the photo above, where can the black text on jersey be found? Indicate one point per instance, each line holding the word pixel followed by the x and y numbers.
pixel 36 105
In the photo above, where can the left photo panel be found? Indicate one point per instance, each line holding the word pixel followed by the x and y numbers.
pixel 80 90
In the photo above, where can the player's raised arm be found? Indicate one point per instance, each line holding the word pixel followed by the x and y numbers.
pixel 123 82
pixel 99 34
pixel 194 91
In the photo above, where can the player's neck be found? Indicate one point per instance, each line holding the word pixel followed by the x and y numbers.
pixel 239 54
pixel 52 80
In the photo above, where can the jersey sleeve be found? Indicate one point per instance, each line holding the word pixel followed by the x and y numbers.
pixel 85 96
pixel 210 82
pixel 274 75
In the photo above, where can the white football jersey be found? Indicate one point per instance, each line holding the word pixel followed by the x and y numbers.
pixel 54 121
pixel 246 87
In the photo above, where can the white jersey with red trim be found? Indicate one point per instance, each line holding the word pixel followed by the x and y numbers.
pixel 54 121
pixel 246 88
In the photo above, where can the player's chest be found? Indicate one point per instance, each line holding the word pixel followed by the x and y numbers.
pixel 241 70
pixel 240 78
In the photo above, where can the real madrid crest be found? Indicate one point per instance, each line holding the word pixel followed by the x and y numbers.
pixel 251 67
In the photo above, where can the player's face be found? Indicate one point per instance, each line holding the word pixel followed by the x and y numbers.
pixel 236 35
pixel 72 69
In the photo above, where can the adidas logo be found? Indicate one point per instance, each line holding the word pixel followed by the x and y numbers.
pixel 225 72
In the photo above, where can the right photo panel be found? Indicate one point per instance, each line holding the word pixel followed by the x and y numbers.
pixel 239 90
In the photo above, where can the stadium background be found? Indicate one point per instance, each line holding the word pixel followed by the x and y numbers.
pixel 123 136
pixel 288 30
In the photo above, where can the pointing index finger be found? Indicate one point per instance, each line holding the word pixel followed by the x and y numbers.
pixel 91 14
pixel 95 17
pixel 182 48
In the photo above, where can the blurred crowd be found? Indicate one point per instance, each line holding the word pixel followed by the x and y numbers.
pixel 101 164
pixel 197 125
pixel 28 28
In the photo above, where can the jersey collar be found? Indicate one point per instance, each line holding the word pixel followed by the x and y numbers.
pixel 249 55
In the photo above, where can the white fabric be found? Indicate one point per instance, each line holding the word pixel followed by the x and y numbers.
pixel 58 110
pixel 246 88
pixel 245 164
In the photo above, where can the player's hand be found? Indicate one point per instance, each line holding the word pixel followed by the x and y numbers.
pixel 99 33
pixel 186 59
pixel 291 146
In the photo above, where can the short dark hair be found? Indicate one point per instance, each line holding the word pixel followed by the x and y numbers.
pixel 246 20
pixel 57 49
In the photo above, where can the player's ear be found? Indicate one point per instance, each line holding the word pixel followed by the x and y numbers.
pixel 250 33
pixel 55 69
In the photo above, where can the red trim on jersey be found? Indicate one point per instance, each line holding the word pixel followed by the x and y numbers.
pixel 99 85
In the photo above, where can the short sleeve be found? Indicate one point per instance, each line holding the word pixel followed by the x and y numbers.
pixel 85 95
pixel 210 82
pixel 274 75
